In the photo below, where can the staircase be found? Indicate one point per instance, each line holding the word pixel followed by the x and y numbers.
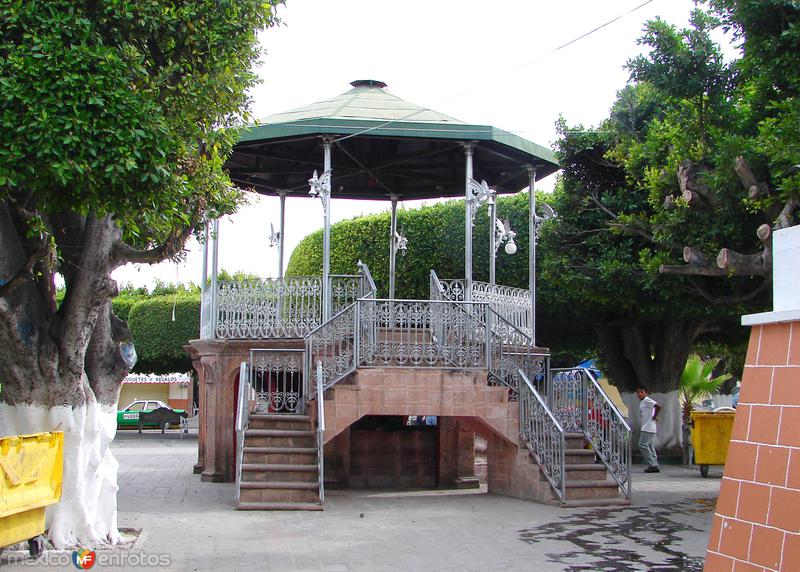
pixel 279 469
pixel 587 482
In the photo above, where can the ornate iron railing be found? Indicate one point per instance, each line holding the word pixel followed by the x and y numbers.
pixel 511 350
pixel 422 333
pixel 278 379
pixel 345 289
pixel 278 308
pixel 454 290
pixel 513 304
pixel 581 405
pixel 333 344
pixel 543 434
pixel 286 308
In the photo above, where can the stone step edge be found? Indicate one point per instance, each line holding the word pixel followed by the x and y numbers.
pixel 279 485
pixel 582 503
pixel 277 433
pixel 278 506
pixel 279 417
pixel 591 484
pixel 585 467
pixel 280 468
pixel 281 450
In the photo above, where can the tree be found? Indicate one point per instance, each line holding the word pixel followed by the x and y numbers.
pixel 115 120
pixel 652 178
pixel 757 163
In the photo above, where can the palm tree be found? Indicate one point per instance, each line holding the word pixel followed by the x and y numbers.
pixel 696 382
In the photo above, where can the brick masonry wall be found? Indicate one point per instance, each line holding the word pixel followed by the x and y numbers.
pixel 757 522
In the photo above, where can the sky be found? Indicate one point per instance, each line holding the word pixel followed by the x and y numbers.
pixel 517 65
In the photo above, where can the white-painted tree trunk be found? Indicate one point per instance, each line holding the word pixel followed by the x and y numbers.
pixel 87 513
pixel 668 427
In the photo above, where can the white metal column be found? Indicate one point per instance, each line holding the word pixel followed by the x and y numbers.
pixel 393 248
pixel 468 149
pixel 326 239
pixel 532 247
pixel 214 271
pixel 281 239
pixel 204 281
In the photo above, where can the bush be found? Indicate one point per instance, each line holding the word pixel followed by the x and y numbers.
pixel 159 339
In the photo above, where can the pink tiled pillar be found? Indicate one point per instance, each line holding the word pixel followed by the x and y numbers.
pixel 757 522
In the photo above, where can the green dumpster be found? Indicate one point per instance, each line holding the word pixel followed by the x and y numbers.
pixel 711 435
pixel 31 473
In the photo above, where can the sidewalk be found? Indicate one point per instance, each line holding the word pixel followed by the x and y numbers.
pixel 192 525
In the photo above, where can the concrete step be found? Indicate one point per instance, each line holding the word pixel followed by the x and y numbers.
pixel 585 472
pixel 258 472
pixel 278 432
pixel 278 495
pixel 279 485
pixel 583 490
pixel 278 506
pixel 619 501
pixel 285 438
pixel 578 456
pixel 280 422
pixel 573 441
pixel 280 455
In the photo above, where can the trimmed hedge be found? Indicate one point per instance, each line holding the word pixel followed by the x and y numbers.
pixel 158 339
pixel 435 241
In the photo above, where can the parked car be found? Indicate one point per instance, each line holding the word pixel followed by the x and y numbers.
pixel 129 417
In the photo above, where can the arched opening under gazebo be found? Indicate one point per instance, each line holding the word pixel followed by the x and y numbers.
pixel 316 354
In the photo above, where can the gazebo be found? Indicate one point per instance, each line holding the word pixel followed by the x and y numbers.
pixel 278 358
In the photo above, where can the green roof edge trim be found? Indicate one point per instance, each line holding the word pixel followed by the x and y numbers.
pixel 455 131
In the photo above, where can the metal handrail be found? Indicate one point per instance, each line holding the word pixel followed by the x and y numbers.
pixel 320 436
pixel 543 435
pixel 510 349
pixel 581 405
pixel 242 420
pixel 316 340
pixel 371 290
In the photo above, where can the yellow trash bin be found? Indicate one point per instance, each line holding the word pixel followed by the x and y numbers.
pixel 31 474
pixel 711 435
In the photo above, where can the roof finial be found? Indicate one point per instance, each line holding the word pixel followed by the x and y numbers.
pixel 368 83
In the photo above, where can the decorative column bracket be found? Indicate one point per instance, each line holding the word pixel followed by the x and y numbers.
pixel 479 193
pixel 400 242
pixel 321 187
pixel 549 213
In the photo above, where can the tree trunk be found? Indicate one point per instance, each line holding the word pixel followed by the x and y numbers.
pixel 62 368
pixel 651 356
pixel 669 434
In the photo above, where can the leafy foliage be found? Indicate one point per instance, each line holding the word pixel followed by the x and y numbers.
pixel 160 327
pixel 124 107
pixel 697 380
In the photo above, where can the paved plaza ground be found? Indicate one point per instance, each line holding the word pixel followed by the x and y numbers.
pixel 181 523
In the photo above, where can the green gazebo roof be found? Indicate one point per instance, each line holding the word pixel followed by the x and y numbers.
pixel 382 145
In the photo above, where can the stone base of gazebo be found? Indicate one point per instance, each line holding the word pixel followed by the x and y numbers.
pixel 217 365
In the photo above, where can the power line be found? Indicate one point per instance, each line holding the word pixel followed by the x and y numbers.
pixel 519 67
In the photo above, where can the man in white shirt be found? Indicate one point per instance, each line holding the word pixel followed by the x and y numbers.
pixel 648 413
